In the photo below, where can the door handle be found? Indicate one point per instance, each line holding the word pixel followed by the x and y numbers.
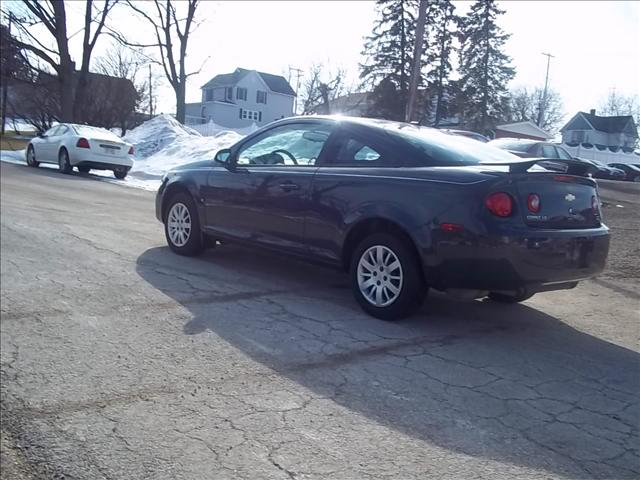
pixel 287 187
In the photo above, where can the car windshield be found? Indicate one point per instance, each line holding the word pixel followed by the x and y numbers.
pixel 443 149
pixel 87 131
pixel 509 144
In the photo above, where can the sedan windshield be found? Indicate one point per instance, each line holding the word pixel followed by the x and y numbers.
pixel 442 149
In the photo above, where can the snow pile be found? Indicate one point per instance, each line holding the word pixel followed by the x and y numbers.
pixel 184 149
pixel 163 143
pixel 153 135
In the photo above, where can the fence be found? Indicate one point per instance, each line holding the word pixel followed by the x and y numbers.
pixel 605 156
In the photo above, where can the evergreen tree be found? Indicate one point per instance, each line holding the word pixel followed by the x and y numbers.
pixel 389 53
pixel 485 69
pixel 442 32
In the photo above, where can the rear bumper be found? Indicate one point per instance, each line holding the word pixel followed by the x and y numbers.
pixel 102 165
pixel 531 260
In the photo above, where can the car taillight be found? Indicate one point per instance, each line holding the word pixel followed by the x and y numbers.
pixel 533 202
pixel 83 143
pixel 131 150
pixel 500 204
pixel 595 205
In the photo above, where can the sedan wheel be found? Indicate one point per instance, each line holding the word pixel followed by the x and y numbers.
pixel 386 277
pixel 182 227
pixel 63 162
pixel 31 157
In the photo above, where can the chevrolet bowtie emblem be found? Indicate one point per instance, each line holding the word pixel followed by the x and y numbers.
pixel 569 197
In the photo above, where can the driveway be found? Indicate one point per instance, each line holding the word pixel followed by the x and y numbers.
pixel 121 360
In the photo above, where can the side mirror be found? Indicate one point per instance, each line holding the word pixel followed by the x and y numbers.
pixel 42 135
pixel 223 157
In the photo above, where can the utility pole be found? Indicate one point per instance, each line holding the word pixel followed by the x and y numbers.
pixel 4 84
pixel 299 72
pixel 543 102
pixel 415 70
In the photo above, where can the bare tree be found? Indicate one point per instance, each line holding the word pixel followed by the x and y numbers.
pixel 524 105
pixel 318 92
pixel 53 52
pixel 171 38
pixel 616 104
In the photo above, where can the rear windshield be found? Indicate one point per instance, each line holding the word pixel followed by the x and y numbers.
pixel 512 145
pixel 442 149
pixel 87 131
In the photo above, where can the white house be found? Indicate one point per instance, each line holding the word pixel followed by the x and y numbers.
pixel 242 98
pixel 604 132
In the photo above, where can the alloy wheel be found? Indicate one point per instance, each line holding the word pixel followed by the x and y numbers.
pixel 179 224
pixel 380 276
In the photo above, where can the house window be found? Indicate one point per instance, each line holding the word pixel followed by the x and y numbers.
pixel 228 93
pixel 241 93
pixel 261 97
pixel 251 115
pixel 208 95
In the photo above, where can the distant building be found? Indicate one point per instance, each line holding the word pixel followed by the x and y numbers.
pixel 242 98
pixel 526 129
pixel 604 132
pixel 352 104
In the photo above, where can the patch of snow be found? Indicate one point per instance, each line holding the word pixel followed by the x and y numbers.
pixel 155 134
pixel 14 156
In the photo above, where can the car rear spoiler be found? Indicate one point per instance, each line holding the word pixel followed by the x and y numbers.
pixel 572 167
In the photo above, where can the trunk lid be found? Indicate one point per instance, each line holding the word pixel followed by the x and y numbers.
pixel 109 147
pixel 565 201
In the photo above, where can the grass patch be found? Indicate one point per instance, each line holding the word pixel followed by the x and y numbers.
pixel 9 142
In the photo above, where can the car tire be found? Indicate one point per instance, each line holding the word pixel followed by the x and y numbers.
pixel 120 174
pixel 63 161
pixel 504 298
pixel 182 225
pixel 377 297
pixel 83 169
pixel 31 157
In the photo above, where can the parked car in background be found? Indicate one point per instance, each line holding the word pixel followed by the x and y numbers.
pixel 632 172
pixel 559 159
pixel 81 146
pixel 607 172
pixel 402 208
pixel 466 133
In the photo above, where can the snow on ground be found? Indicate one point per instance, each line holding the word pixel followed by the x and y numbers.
pixel 160 144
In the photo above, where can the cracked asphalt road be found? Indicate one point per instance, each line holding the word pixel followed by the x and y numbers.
pixel 121 360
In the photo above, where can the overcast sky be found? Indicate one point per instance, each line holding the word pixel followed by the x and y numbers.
pixel 596 44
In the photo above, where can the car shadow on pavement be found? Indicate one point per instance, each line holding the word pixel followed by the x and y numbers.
pixel 504 382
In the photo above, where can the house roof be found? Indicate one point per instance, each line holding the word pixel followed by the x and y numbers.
pixel 614 124
pixel 525 128
pixel 276 83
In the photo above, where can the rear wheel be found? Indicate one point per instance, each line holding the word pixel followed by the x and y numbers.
pixel 515 298
pixel 182 226
pixel 120 174
pixel 83 169
pixel 31 157
pixel 63 161
pixel 386 278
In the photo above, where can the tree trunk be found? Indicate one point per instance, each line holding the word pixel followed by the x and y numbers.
pixel 66 81
pixel 417 57
pixel 180 100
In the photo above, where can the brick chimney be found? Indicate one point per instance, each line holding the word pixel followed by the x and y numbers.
pixel 592 111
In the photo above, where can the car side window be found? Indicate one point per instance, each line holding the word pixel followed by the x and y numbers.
pixel 549 151
pixel 52 132
pixel 297 144
pixel 563 154
pixel 62 130
pixel 357 152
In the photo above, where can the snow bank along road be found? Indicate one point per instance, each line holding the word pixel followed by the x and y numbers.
pixel 121 360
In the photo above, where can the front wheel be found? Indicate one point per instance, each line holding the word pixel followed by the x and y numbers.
pixel 182 226
pixel 120 174
pixel 63 162
pixel 504 298
pixel 83 169
pixel 386 277
pixel 31 157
